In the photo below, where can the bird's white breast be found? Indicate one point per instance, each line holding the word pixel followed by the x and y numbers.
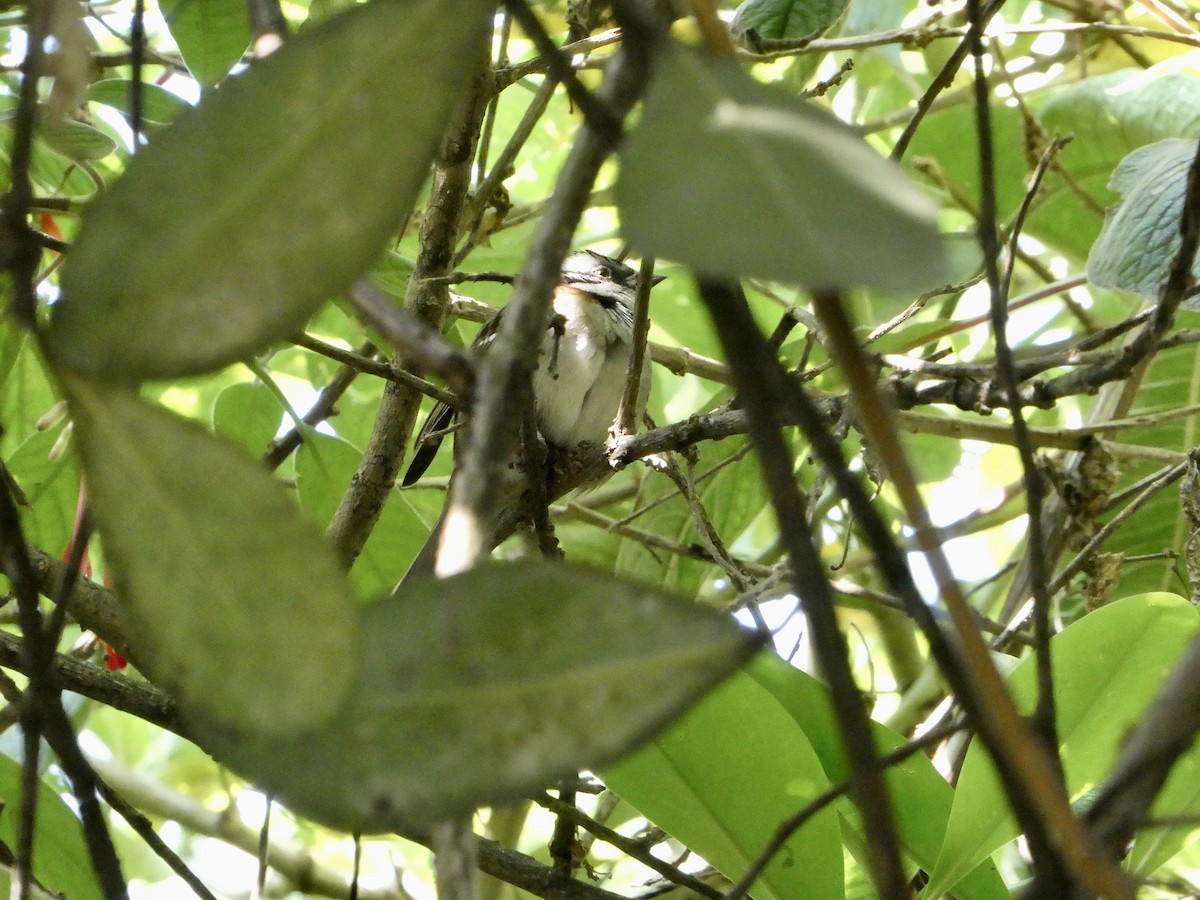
pixel 579 387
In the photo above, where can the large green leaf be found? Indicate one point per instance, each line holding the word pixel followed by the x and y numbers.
pixel 211 35
pixel 921 797
pixel 272 195
pixel 50 482
pixel 1107 667
pixel 235 601
pixel 1180 796
pixel 939 145
pixel 734 177
pixel 1140 238
pixel 477 689
pixel 723 778
pixel 682 783
pixel 60 856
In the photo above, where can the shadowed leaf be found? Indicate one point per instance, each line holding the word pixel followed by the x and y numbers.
pixel 235 601
pixel 332 137
pixel 480 688
pixel 786 191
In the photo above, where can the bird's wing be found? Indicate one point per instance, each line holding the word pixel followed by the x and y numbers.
pixel 425 447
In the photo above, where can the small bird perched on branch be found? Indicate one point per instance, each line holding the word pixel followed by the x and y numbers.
pixel 582 367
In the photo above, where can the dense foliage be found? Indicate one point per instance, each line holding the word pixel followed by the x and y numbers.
pixel 900 570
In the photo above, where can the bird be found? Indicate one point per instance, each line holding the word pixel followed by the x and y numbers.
pixel 583 362
pixel 582 365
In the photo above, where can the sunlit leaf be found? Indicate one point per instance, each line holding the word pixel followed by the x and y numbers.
pixel 248 414
pixel 937 149
pixel 158 104
pixel 324 466
pixel 787 191
pixel 1107 666
pixel 920 795
pixel 235 601
pixel 212 35
pixel 332 136
pixel 480 688
pixel 77 141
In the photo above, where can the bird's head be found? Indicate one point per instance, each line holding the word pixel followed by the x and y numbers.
pixel 601 276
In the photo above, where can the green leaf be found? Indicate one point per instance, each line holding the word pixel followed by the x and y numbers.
pixel 1107 667
pixel 158 104
pixel 235 602
pixel 1140 238
pixel 77 141
pixel 480 688
pixel 211 35
pixel 787 191
pixel 939 145
pixel 921 797
pixel 51 484
pixel 772 724
pixel 1110 116
pixel 324 466
pixel 723 778
pixel 60 857
pixel 1180 796
pixel 793 19
pixel 330 157
pixel 247 414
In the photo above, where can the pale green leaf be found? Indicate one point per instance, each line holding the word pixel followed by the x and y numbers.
pixel 480 688
pixel 792 19
pixel 272 195
pixel 235 602
pixel 1140 238
pixel 1107 667
pixel 921 797
pixel 1109 115
pixel 734 178
pixel 1180 796
pixel 77 141
pixel 324 466
pixel 774 726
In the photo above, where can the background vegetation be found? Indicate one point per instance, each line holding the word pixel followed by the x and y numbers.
pixel 924 429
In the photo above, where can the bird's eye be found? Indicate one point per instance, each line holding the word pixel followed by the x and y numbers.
pixel 603 272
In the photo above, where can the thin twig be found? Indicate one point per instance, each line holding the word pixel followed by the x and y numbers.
pixel 630 847
pixel 145 830
pixel 596 111
pixel 944 78
pixel 627 410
